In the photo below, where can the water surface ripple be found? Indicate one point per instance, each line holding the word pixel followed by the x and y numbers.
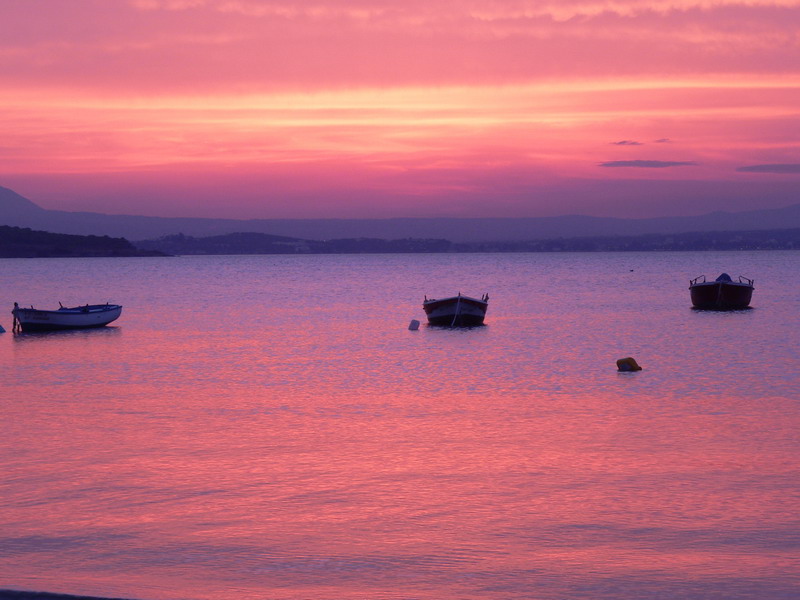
pixel 267 427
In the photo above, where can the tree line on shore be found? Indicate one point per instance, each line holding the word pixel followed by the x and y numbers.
pixel 16 242
pixel 19 242
pixel 257 243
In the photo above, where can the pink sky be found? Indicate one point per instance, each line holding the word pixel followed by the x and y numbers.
pixel 378 108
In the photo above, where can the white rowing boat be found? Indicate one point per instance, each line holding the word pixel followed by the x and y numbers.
pixel 76 317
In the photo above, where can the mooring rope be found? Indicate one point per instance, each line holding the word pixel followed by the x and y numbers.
pixel 458 309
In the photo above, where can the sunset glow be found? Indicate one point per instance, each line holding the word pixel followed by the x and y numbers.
pixel 369 108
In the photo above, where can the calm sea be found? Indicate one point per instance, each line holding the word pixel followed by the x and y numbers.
pixel 262 427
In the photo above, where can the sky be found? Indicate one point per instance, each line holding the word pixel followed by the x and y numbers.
pixel 419 108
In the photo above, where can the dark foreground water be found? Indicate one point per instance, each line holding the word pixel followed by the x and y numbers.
pixel 268 428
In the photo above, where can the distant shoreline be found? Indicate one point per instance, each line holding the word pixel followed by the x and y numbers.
pixel 20 595
pixel 18 242
pixel 260 243
pixel 403 253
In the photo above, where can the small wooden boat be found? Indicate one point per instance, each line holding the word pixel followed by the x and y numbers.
pixel 721 294
pixel 76 317
pixel 456 311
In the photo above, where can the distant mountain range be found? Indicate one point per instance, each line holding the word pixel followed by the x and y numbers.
pixel 19 211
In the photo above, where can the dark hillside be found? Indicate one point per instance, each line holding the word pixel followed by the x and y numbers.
pixel 259 243
pixel 16 242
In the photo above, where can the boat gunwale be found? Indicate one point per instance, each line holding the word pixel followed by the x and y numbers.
pixel 711 283
pixel 73 310
pixel 453 299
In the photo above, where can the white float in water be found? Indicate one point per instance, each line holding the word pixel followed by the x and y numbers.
pixel 414 325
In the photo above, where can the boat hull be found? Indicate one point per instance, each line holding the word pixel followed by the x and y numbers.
pixel 458 311
pixel 721 295
pixel 84 317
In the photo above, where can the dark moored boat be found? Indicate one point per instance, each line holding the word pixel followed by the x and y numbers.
pixel 77 317
pixel 456 311
pixel 721 294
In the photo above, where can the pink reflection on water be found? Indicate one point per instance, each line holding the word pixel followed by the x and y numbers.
pixel 358 499
pixel 340 456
